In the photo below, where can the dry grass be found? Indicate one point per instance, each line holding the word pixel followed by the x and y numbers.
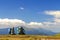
pixel 28 37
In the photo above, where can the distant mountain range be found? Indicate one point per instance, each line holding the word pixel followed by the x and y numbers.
pixel 39 31
pixel 30 31
pixel 4 31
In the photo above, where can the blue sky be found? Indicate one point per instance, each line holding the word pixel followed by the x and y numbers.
pixel 33 9
pixel 40 13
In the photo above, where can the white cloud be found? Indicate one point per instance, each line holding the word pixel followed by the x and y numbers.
pixel 21 8
pixel 8 23
pixel 5 23
pixel 54 13
pixel 35 23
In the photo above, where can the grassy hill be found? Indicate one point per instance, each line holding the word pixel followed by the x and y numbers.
pixel 57 34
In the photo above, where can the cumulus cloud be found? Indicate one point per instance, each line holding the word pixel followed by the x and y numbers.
pixel 56 15
pixel 5 23
pixel 8 23
pixel 35 23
